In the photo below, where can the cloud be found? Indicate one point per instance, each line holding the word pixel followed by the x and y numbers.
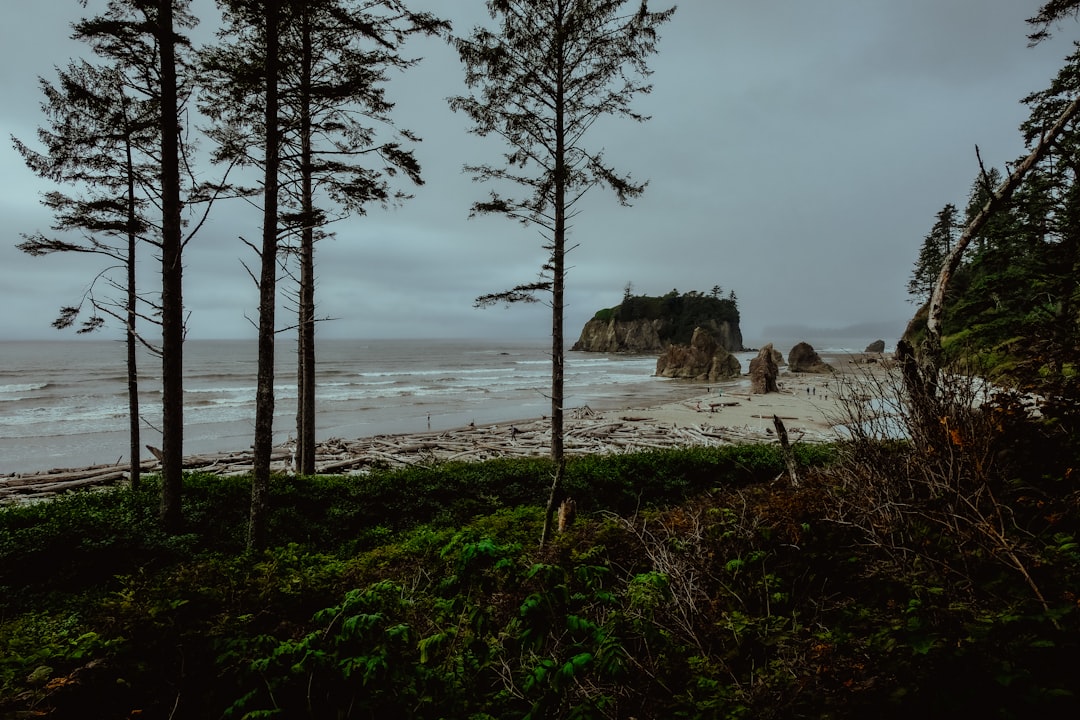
pixel 797 154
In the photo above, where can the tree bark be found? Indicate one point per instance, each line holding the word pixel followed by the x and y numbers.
pixel 558 278
pixel 264 393
pixel 172 300
pixel 305 401
pixel 134 445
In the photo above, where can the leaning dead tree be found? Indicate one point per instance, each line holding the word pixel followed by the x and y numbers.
pixel 999 197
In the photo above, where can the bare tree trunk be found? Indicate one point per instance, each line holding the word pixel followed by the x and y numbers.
pixel 134 446
pixel 558 458
pixel 558 272
pixel 264 392
pixel 785 449
pixel 172 299
pixel 305 401
pixel 306 350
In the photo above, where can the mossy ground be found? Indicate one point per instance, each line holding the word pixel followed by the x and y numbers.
pixel 693 584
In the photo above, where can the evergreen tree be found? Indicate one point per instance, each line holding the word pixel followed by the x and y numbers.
pixel 998 198
pixel 544 77
pixel 1049 14
pixel 340 148
pixel 143 39
pixel 1050 207
pixel 99 142
pixel 339 138
pixel 936 245
pixel 264 390
pixel 1015 305
pixel 321 65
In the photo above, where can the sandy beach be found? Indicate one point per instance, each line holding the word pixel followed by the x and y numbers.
pixel 720 414
pixel 805 404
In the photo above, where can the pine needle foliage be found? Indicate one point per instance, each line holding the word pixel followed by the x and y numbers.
pixel 541 80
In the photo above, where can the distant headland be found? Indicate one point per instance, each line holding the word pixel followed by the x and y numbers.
pixel 651 324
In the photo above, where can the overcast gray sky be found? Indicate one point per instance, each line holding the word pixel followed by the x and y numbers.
pixel 797 154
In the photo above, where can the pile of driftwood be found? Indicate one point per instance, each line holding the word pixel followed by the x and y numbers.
pixel 586 432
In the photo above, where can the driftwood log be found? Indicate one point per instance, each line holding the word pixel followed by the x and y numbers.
pixel 586 432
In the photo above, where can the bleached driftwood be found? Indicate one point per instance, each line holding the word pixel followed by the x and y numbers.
pixel 587 432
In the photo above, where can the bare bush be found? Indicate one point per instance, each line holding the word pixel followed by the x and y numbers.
pixel 922 466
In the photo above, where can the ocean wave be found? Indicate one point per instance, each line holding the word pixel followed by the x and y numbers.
pixel 23 387
pixel 383 390
pixel 448 372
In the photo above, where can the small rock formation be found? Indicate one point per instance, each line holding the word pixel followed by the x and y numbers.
pixel 703 359
pixel 763 371
pixel 778 357
pixel 803 358
pixel 878 346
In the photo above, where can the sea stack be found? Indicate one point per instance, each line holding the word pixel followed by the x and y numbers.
pixel 803 358
pixel 763 371
pixel 703 359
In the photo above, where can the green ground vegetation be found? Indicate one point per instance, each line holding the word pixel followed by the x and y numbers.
pixel 694 583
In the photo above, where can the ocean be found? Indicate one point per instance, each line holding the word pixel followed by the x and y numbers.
pixel 63 404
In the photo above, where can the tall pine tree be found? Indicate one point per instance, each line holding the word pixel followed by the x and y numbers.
pixel 936 245
pixel 143 38
pixel 542 79
pixel 337 151
pixel 98 147
pixel 342 146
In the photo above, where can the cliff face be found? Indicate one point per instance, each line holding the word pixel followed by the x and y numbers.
pixel 647 336
pixel 612 336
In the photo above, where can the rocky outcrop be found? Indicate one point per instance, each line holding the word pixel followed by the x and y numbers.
pixel 878 346
pixel 803 358
pixel 647 336
pixel 764 370
pixel 703 359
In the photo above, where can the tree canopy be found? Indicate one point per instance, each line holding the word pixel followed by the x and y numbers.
pixel 681 312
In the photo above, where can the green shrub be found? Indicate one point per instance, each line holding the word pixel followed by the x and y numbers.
pixel 708 591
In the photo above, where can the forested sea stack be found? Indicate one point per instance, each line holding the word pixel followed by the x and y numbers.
pixel 646 324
